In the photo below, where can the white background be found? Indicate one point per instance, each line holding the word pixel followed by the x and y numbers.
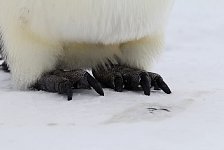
pixel 193 66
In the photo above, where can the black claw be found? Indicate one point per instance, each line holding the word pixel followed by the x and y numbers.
pixel 163 85
pixel 66 88
pixel 95 84
pixel 5 67
pixel 118 84
pixel 145 83
pixel 69 94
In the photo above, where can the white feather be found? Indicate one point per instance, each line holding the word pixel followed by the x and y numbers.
pixel 40 35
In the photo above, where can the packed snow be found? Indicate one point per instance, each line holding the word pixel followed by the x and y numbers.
pixel 191 118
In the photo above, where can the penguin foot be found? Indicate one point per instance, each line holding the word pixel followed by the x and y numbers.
pixel 120 77
pixel 63 82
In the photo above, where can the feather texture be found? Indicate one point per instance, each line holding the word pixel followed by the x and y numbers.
pixel 40 35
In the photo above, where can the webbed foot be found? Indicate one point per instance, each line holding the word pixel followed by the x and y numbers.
pixel 63 82
pixel 120 77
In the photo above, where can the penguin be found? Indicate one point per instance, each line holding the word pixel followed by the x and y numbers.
pixel 49 44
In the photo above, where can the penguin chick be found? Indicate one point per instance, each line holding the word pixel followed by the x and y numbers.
pixel 41 36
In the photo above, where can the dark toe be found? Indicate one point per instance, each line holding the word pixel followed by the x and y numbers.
pixel 163 86
pixel 145 83
pixel 159 83
pixel 95 84
pixel 119 77
pixel 118 84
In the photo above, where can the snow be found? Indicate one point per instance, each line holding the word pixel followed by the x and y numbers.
pixel 192 64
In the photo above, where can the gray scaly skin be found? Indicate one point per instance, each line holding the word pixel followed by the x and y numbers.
pixel 63 82
pixel 120 77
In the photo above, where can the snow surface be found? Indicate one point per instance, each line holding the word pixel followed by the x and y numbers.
pixel 192 65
